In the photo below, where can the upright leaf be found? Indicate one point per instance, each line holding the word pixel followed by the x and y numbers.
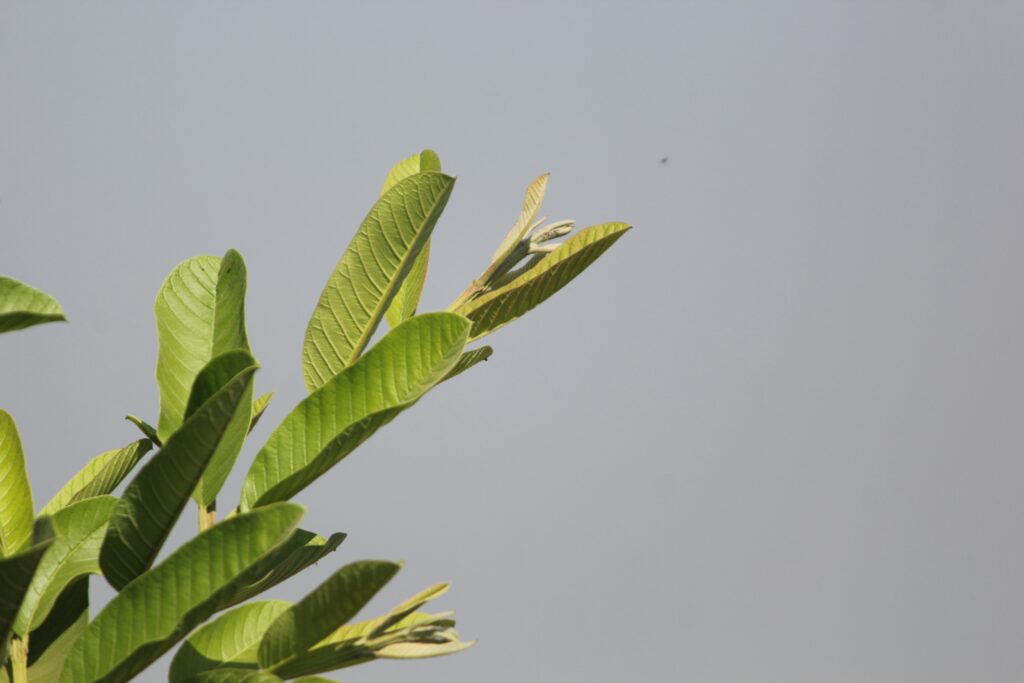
pixel 80 528
pixel 331 604
pixel 500 306
pixel 531 205
pixel 405 302
pixel 230 640
pixel 341 414
pixel 16 510
pixel 369 274
pixel 153 500
pixel 22 306
pixel 163 605
pixel 200 313
pixel 100 476
pixel 211 379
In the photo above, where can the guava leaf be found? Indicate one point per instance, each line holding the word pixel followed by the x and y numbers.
pixel 22 306
pixel 406 301
pixel 100 476
pixel 164 604
pixel 329 423
pixel 15 576
pixel 328 606
pixel 500 306
pixel 80 528
pixel 369 274
pixel 16 510
pixel 156 496
pixel 230 640
pixel 200 314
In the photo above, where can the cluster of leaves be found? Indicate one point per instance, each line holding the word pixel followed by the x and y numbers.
pixel 205 372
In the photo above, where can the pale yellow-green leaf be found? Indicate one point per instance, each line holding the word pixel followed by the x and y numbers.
pixel 23 306
pixel 16 510
pixel 100 476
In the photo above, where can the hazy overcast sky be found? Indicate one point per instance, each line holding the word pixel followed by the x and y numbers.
pixel 775 436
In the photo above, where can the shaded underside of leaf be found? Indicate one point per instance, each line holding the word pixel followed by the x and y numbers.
pixel 233 676
pixel 158 609
pixel 52 640
pixel 23 306
pixel 155 498
pixel 369 274
pixel 16 510
pixel 499 307
pixel 335 418
pixel 100 476
pixel 328 606
pixel 230 640
pixel 214 376
pixel 75 552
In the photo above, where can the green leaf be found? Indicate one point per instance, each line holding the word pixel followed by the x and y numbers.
pixel 80 528
pixel 211 379
pixel 369 274
pixel 16 510
pixel 531 204
pixel 303 549
pixel 200 313
pixel 405 302
pixel 259 406
pixel 468 359
pixel 328 424
pixel 148 430
pixel 499 307
pixel 100 476
pixel 231 640
pixel 22 306
pixel 156 496
pixel 356 643
pixel 15 576
pixel 331 604
pixel 51 641
pixel 163 605
pixel 233 676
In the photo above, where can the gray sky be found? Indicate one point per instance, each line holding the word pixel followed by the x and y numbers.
pixel 774 435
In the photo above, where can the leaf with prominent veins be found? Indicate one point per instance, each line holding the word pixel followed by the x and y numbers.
pixel 369 274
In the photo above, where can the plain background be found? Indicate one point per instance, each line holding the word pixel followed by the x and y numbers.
pixel 775 434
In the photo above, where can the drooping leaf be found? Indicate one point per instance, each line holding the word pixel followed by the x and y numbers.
pixel 468 359
pixel 163 605
pixel 229 641
pixel 211 379
pixel 15 576
pixel 200 314
pixel 52 640
pixel 16 510
pixel 337 417
pixel 328 606
pixel 405 302
pixel 369 274
pixel 80 528
pixel 500 306
pixel 100 476
pixel 302 550
pixel 156 496
pixel 531 204
pixel 259 406
pixel 22 306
